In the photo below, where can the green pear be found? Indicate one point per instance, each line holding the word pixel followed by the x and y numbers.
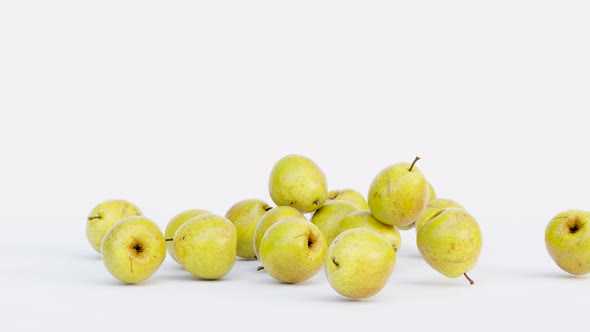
pixel 432 208
pixel 364 219
pixel 359 263
pixel 450 242
pixel 245 216
pixel 398 194
pixel 270 218
pixel 174 224
pixel 133 249
pixel 567 238
pixel 432 193
pixel 350 195
pixel 206 246
pixel 297 181
pixel 292 250
pixel 329 216
pixel 104 216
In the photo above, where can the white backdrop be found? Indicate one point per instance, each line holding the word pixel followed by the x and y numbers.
pixel 185 104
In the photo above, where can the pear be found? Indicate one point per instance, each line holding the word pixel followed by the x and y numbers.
pixel 567 238
pixel 206 246
pixel 359 263
pixel 450 242
pixel 297 181
pixel 270 218
pixel 133 249
pixel 329 216
pixel 174 224
pixel 292 250
pixel 432 193
pixel 433 207
pixel 398 194
pixel 364 219
pixel 350 195
pixel 245 216
pixel 104 216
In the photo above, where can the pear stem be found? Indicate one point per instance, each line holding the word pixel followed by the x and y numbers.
pixel 268 208
pixel 335 262
pixel 260 268
pixel 470 280
pixel 93 217
pixel 168 240
pixel 413 163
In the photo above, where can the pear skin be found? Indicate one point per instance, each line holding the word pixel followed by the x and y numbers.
pixel 297 181
pixel 270 218
pixel 104 216
pixel 450 242
pixel 567 238
pixel 364 219
pixel 350 195
pixel 245 215
pixel 398 194
pixel 329 216
pixel 433 207
pixel 173 226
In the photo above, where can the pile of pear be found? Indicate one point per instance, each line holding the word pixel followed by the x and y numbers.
pixel 355 240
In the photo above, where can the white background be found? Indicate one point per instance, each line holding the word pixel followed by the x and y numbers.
pixel 187 104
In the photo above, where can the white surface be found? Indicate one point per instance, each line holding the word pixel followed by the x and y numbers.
pixel 180 105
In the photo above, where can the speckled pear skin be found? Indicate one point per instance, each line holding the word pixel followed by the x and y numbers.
pixel 206 246
pixel 175 223
pixel 329 216
pixel 245 215
pixel 398 195
pixel 567 238
pixel 433 207
pixel 350 195
pixel 293 250
pixel 104 216
pixel 364 219
pixel 450 242
pixel 270 218
pixel 297 181
pixel 359 263
pixel 133 249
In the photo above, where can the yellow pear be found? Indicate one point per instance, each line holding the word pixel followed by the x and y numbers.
pixel 364 219
pixel 450 242
pixel 104 216
pixel 433 207
pixel 359 263
pixel 270 218
pixel 398 194
pixel 329 216
pixel 206 246
pixel 297 181
pixel 245 215
pixel 350 195
pixel 133 249
pixel 567 238
pixel 174 224
pixel 292 250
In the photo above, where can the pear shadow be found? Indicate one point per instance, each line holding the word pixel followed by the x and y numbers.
pixel 440 283
pixel 337 298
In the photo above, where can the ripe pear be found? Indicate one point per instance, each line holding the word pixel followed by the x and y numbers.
pixel 432 193
pixel 297 181
pixel 350 195
pixel 433 207
pixel 364 219
pixel 133 249
pixel 270 218
pixel 359 263
pixel 174 224
pixel 104 216
pixel 329 216
pixel 292 250
pixel 245 216
pixel 450 242
pixel 398 194
pixel 206 246
pixel 567 238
